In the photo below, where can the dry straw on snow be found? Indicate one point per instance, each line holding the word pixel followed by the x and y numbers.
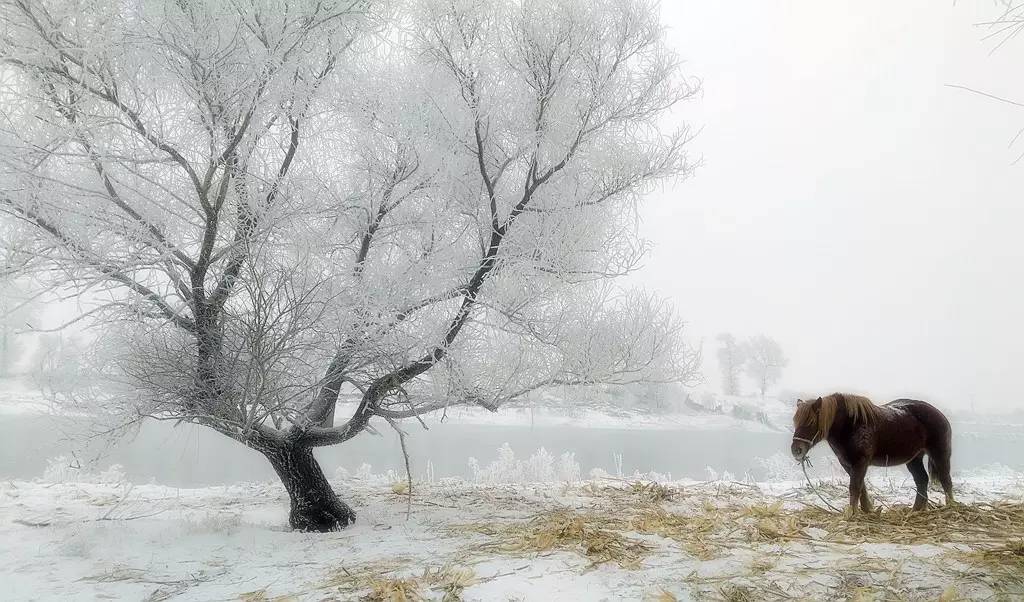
pixel 986 540
pixel 566 530
pixel 380 583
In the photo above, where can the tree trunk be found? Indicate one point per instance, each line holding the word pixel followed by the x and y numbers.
pixel 314 505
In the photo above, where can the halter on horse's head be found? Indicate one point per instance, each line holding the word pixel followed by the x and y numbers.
pixel 807 430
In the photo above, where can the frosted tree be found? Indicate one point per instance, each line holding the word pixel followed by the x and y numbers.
pixel 19 303
pixel 269 206
pixel 16 308
pixel 765 361
pixel 731 362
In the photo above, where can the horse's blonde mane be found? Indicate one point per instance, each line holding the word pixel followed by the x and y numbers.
pixel 860 409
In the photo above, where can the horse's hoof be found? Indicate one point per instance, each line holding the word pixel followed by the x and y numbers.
pixel 849 513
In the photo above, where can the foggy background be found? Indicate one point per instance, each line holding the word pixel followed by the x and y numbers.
pixel 851 204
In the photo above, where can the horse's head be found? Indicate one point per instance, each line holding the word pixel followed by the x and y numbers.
pixel 806 427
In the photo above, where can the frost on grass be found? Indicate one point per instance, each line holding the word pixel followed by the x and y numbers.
pixel 582 533
pixel 779 467
pixel 541 467
pixel 380 582
pixel 66 469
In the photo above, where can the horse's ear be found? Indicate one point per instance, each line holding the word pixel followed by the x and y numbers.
pixel 818 400
pixel 800 402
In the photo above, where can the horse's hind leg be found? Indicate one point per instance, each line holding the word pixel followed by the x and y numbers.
pixel 916 468
pixel 938 464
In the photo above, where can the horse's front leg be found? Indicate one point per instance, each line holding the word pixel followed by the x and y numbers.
pixel 865 501
pixel 858 493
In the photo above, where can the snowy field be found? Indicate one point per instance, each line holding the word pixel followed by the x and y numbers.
pixel 595 540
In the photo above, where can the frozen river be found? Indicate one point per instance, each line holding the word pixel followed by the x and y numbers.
pixel 188 456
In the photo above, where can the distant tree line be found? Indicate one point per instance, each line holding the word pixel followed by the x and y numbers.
pixel 760 358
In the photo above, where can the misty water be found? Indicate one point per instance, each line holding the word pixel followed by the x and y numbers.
pixel 188 456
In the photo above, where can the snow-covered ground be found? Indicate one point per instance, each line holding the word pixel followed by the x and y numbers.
pixel 595 540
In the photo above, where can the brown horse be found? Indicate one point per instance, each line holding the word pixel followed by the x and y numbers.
pixel 862 434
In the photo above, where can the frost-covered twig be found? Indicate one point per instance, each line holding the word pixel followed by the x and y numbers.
pixel 408 467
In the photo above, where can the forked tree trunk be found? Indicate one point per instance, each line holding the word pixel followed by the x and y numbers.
pixel 314 505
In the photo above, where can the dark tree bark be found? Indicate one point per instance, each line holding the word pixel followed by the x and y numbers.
pixel 314 505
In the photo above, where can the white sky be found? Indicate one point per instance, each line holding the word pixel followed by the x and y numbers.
pixel 851 204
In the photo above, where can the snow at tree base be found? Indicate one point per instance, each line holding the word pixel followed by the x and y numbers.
pixel 365 300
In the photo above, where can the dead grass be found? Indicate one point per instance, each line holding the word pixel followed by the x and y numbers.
pixel 1000 566
pixel 451 581
pixel 865 594
pixel 382 582
pixel 710 531
pixel 971 524
pixel 589 535
pixel 714 524
pixel 692 532
pixel 762 565
pixel 738 593
pixel 394 590
pixel 634 492
pixel 260 595
pixel 652 492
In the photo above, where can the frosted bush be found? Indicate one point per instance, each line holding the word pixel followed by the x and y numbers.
pixel 62 469
pixel 365 473
pixel 568 468
pixel 65 469
pixel 780 467
pixel 651 475
pixel 600 474
pixel 503 470
pixel 541 467
pixel 714 475
pixel 114 475
pixel 214 522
